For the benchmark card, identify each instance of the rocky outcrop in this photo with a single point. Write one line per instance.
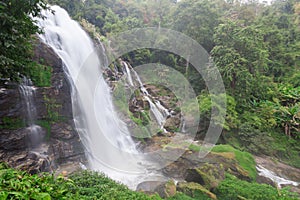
(59, 143)
(195, 190)
(164, 189)
(207, 175)
(208, 171)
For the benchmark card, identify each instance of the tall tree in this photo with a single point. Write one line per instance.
(16, 29)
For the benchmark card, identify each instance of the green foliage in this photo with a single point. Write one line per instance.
(16, 29)
(195, 190)
(244, 159)
(16, 184)
(198, 20)
(39, 74)
(285, 149)
(234, 189)
(93, 185)
(20, 185)
(206, 104)
(11, 123)
(180, 196)
(52, 109)
(194, 147)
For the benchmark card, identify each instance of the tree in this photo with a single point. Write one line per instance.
(198, 19)
(242, 58)
(16, 29)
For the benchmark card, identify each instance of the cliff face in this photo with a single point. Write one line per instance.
(58, 144)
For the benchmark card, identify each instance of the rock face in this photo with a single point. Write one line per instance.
(58, 142)
(208, 171)
(279, 169)
(195, 190)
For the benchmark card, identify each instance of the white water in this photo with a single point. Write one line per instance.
(128, 73)
(108, 143)
(275, 178)
(159, 112)
(27, 92)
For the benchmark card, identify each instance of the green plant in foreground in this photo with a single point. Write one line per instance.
(16, 184)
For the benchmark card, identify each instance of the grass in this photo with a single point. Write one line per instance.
(286, 149)
(194, 147)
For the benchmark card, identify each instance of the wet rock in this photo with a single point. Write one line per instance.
(10, 101)
(30, 161)
(62, 130)
(148, 185)
(54, 114)
(166, 189)
(13, 139)
(172, 124)
(265, 180)
(190, 161)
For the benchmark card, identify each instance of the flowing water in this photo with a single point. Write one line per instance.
(27, 92)
(109, 146)
(108, 143)
(274, 177)
(159, 112)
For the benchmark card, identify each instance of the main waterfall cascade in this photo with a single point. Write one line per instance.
(109, 146)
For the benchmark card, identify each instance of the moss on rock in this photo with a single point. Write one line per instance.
(195, 190)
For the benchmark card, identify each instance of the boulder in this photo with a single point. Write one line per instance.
(172, 124)
(207, 175)
(186, 166)
(166, 189)
(195, 190)
(13, 139)
(148, 186)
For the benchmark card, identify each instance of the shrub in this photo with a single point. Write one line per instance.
(233, 189)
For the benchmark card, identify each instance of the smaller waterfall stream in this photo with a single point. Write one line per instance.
(274, 177)
(159, 112)
(27, 91)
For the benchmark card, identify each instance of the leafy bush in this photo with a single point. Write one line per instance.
(233, 189)
(11, 123)
(16, 184)
(93, 185)
(39, 74)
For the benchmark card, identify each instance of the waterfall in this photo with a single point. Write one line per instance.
(109, 146)
(27, 92)
(159, 112)
(275, 178)
(128, 73)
